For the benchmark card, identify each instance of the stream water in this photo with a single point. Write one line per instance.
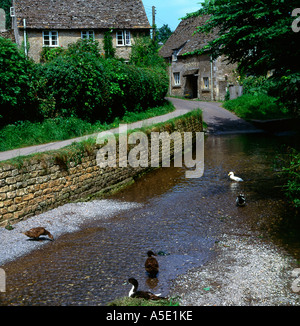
(180, 217)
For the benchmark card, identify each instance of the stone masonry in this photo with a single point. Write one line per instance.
(32, 185)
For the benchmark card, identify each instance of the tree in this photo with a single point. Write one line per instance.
(258, 36)
(145, 54)
(163, 33)
(17, 99)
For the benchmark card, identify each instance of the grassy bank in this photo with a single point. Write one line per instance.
(256, 106)
(25, 133)
(77, 150)
(125, 301)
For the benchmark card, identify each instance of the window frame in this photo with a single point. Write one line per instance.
(51, 35)
(177, 78)
(206, 85)
(124, 36)
(90, 35)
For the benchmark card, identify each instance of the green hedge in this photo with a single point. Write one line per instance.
(17, 99)
(258, 106)
(81, 83)
(74, 82)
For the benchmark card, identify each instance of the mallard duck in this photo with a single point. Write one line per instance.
(240, 200)
(151, 264)
(35, 233)
(134, 293)
(234, 178)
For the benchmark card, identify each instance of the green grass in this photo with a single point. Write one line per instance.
(77, 150)
(125, 301)
(25, 133)
(258, 106)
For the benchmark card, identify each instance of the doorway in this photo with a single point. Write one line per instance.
(191, 86)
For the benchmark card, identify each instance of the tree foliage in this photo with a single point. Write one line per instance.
(258, 36)
(81, 82)
(5, 5)
(75, 82)
(145, 54)
(163, 33)
(108, 45)
(17, 100)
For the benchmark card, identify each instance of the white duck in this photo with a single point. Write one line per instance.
(234, 178)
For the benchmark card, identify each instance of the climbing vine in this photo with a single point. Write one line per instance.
(108, 45)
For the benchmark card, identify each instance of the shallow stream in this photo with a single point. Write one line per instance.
(182, 218)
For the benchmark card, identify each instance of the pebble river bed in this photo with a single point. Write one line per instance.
(214, 252)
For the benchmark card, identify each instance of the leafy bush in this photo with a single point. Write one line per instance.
(49, 53)
(108, 45)
(75, 83)
(285, 89)
(290, 170)
(17, 98)
(81, 83)
(145, 54)
(259, 106)
(256, 85)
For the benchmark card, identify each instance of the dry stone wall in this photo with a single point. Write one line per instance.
(32, 185)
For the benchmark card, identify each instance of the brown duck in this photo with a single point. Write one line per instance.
(151, 264)
(35, 233)
(134, 293)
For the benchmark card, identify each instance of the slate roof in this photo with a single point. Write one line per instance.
(81, 14)
(184, 39)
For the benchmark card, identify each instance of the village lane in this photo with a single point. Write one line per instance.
(217, 118)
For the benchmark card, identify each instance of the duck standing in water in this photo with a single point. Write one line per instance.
(234, 178)
(134, 293)
(151, 264)
(35, 233)
(240, 200)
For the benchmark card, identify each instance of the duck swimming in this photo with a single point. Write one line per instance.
(35, 233)
(240, 200)
(234, 178)
(134, 293)
(151, 264)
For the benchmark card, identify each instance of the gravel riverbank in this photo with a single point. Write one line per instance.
(64, 219)
(246, 272)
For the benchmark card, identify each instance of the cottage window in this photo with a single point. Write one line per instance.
(50, 38)
(123, 38)
(88, 35)
(176, 78)
(205, 82)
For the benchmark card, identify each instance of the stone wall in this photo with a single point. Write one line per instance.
(194, 69)
(8, 35)
(32, 185)
(66, 37)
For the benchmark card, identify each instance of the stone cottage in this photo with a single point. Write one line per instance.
(57, 23)
(194, 75)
